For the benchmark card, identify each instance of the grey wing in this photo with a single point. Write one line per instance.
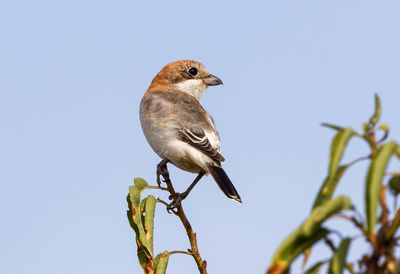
(198, 139)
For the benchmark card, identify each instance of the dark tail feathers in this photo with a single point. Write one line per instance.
(224, 183)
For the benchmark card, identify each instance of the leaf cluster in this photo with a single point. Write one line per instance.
(377, 225)
(141, 218)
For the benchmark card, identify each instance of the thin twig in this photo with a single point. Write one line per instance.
(180, 252)
(353, 220)
(156, 187)
(194, 251)
(162, 201)
(337, 232)
(330, 243)
(359, 160)
(358, 213)
(393, 226)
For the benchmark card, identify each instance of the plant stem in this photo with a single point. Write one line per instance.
(156, 187)
(194, 251)
(180, 252)
(385, 209)
(394, 226)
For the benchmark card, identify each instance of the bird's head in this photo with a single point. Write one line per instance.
(186, 75)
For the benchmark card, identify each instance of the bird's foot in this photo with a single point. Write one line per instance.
(162, 170)
(177, 200)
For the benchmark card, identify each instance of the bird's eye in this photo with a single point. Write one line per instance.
(192, 71)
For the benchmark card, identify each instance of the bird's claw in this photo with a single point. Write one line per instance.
(171, 210)
(173, 206)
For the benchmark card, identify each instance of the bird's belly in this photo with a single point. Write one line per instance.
(185, 157)
(168, 146)
(186, 165)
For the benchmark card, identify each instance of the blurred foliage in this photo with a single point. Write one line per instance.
(378, 225)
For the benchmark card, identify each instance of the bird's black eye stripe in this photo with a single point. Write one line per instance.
(193, 71)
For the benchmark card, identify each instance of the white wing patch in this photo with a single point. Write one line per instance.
(204, 142)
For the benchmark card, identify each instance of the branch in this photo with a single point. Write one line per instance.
(194, 251)
(359, 224)
(180, 252)
(394, 226)
(385, 210)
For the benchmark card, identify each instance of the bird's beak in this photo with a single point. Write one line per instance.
(212, 80)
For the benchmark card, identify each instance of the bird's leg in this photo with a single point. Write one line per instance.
(196, 180)
(162, 170)
(181, 196)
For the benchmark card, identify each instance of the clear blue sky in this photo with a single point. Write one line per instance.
(72, 74)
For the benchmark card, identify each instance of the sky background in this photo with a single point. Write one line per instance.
(72, 74)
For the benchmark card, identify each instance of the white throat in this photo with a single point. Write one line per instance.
(194, 87)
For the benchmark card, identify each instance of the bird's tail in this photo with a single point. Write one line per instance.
(224, 183)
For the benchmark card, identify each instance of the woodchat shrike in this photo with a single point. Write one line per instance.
(179, 129)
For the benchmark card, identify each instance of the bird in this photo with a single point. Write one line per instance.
(179, 129)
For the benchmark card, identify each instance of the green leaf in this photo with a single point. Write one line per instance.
(135, 216)
(329, 186)
(397, 152)
(385, 129)
(136, 190)
(141, 209)
(338, 262)
(394, 184)
(377, 113)
(161, 262)
(332, 126)
(338, 146)
(142, 256)
(315, 268)
(323, 212)
(335, 171)
(308, 233)
(374, 183)
(293, 246)
(149, 219)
